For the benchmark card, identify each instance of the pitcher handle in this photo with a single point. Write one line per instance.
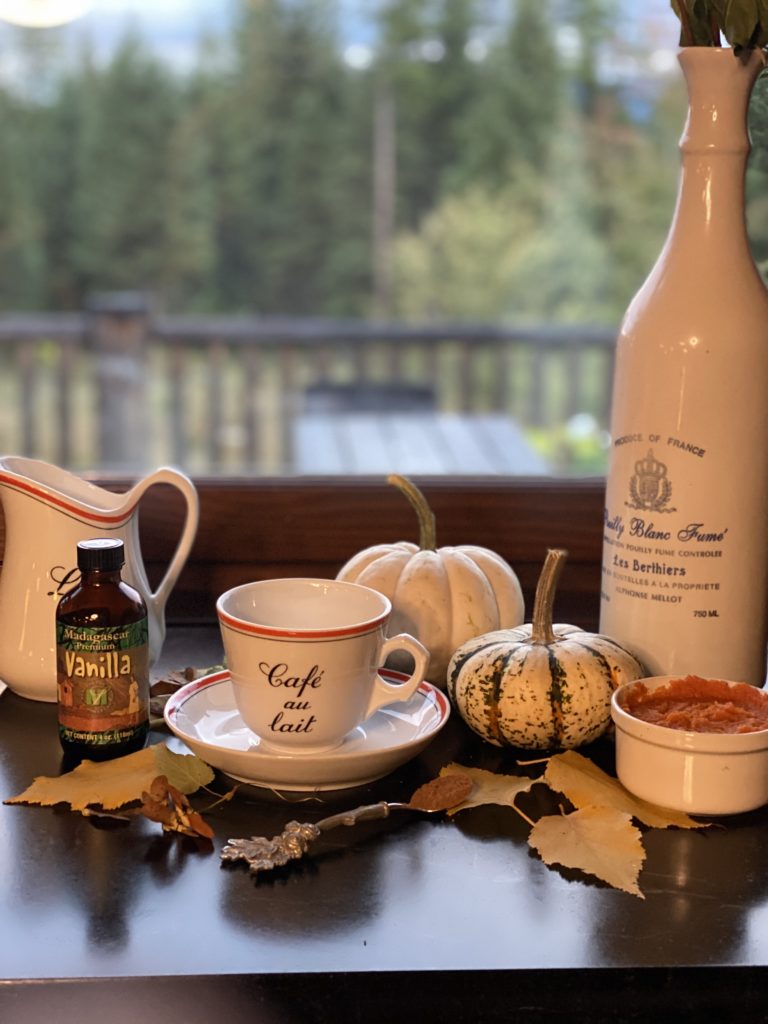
(181, 482)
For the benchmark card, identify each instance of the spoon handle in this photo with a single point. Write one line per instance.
(367, 812)
(263, 854)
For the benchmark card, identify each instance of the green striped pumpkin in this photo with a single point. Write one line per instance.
(539, 686)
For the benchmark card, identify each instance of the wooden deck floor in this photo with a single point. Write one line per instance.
(358, 443)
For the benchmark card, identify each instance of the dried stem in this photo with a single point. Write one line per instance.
(686, 32)
(427, 532)
(541, 623)
(221, 799)
(522, 814)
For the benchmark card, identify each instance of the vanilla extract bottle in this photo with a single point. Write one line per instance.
(685, 538)
(102, 658)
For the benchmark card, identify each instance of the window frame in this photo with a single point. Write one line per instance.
(309, 526)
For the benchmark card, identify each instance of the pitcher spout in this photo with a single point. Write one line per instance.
(62, 490)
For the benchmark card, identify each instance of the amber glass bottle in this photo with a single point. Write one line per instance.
(102, 658)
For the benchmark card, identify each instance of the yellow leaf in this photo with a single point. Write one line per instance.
(489, 788)
(586, 785)
(112, 784)
(184, 772)
(601, 841)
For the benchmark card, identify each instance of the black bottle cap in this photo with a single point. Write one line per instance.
(105, 553)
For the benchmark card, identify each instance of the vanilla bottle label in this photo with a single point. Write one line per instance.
(103, 682)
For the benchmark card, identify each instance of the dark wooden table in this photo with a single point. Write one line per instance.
(405, 919)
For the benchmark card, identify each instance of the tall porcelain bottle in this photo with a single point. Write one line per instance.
(685, 551)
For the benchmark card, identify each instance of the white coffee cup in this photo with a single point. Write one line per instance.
(304, 657)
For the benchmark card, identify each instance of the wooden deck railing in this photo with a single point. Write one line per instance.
(118, 388)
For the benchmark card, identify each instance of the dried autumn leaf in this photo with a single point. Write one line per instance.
(586, 785)
(188, 821)
(167, 805)
(442, 793)
(199, 826)
(157, 710)
(171, 682)
(158, 791)
(162, 689)
(176, 678)
(154, 803)
(598, 840)
(112, 784)
(185, 772)
(489, 787)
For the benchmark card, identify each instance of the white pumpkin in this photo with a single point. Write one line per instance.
(541, 686)
(442, 596)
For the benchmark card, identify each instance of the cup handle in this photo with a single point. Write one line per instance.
(387, 693)
(182, 483)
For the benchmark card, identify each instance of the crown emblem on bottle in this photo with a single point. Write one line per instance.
(649, 487)
(649, 467)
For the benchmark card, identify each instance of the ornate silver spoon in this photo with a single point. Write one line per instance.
(263, 854)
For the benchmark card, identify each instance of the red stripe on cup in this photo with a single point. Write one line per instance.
(331, 633)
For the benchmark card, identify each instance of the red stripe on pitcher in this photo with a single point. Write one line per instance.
(78, 510)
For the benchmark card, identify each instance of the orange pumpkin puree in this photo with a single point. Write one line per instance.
(700, 705)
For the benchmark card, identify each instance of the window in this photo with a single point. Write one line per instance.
(239, 235)
(247, 238)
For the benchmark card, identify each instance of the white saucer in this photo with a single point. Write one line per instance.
(204, 716)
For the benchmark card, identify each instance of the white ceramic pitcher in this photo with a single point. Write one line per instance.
(47, 511)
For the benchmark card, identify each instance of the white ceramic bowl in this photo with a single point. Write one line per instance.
(697, 772)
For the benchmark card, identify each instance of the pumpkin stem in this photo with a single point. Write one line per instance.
(427, 533)
(541, 623)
